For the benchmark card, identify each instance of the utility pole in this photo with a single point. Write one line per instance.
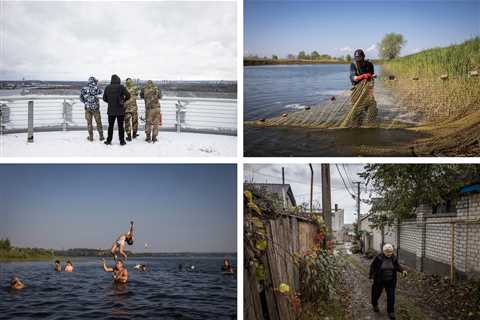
(326, 196)
(358, 206)
(311, 188)
(283, 187)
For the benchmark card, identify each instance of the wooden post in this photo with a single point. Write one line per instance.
(452, 253)
(30, 121)
(283, 187)
(311, 188)
(326, 197)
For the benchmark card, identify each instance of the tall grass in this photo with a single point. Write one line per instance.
(438, 100)
(455, 60)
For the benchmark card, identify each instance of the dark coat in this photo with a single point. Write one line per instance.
(366, 67)
(375, 272)
(115, 93)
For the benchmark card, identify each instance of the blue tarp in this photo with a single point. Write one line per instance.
(470, 188)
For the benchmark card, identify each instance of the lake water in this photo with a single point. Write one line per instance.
(272, 90)
(165, 292)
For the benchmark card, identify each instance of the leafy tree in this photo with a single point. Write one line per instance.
(5, 244)
(348, 57)
(315, 55)
(302, 55)
(390, 46)
(274, 57)
(404, 187)
(291, 56)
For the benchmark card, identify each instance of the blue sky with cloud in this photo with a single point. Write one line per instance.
(338, 28)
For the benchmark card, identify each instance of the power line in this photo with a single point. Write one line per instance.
(344, 184)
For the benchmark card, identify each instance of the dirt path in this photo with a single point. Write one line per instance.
(408, 305)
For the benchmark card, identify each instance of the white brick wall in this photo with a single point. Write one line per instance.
(438, 242)
(409, 236)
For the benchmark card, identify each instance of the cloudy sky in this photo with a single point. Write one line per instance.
(147, 40)
(298, 176)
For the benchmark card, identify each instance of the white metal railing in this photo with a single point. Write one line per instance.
(210, 115)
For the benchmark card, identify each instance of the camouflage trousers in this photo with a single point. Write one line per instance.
(89, 116)
(154, 120)
(131, 122)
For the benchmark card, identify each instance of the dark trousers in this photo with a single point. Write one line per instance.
(377, 289)
(121, 130)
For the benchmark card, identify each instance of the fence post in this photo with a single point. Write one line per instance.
(30, 121)
(422, 233)
(1, 120)
(64, 116)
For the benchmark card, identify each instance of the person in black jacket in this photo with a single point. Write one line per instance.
(115, 95)
(383, 271)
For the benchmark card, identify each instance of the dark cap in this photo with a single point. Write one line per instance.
(359, 54)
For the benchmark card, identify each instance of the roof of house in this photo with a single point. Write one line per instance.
(278, 189)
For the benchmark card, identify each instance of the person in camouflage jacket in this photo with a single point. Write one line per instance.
(131, 110)
(152, 95)
(89, 96)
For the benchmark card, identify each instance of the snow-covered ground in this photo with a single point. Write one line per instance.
(75, 144)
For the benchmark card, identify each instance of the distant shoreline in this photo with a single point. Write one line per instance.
(267, 62)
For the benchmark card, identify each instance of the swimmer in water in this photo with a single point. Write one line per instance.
(119, 244)
(227, 266)
(120, 273)
(141, 267)
(68, 266)
(58, 266)
(16, 283)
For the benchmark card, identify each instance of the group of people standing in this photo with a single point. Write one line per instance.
(122, 108)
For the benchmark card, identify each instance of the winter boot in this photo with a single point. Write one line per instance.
(129, 137)
(135, 134)
(154, 139)
(108, 143)
(148, 138)
(100, 133)
(122, 143)
(90, 136)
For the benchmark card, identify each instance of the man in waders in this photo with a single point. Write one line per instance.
(363, 101)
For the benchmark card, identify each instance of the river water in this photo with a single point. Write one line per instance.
(272, 90)
(165, 292)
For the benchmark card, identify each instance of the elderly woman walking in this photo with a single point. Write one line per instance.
(383, 271)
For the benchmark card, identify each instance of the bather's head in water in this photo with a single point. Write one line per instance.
(58, 266)
(16, 283)
(69, 266)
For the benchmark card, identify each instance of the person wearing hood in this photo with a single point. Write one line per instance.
(383, 271)
(115, 95)
(131, 110)
(89, 97)
(153, 116)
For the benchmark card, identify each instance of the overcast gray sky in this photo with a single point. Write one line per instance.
(298, 176)
(171, 40)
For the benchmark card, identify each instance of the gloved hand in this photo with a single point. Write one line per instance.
(367, 76)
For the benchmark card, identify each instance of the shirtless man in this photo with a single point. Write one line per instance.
(16, 283)
(120, 273)
(119, 244)
(68, 266)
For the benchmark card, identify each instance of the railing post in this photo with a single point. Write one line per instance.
(180, 115)
(64, 115)
(1, 119)
(30, 121)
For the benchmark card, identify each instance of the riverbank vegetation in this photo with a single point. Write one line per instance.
(8, 252)
(442, 84)
(301, 58)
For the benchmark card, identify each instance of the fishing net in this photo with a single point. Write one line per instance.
(445, 114)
